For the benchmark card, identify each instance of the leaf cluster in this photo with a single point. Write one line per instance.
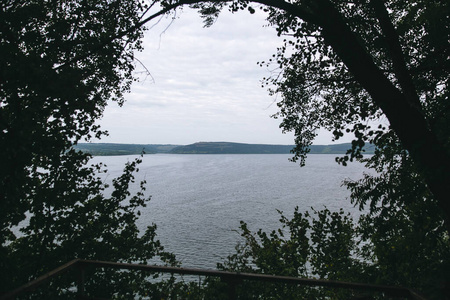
(318, 91)
(402, 230)
(72, 217)
(61, 62)
(59, 67)
(320, 245)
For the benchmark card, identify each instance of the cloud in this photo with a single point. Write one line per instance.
(205, 84)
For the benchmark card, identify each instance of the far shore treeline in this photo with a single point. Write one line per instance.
(104, 149)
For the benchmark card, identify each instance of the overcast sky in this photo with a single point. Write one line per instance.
(205, 85)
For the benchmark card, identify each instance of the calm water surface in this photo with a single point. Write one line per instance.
(199, 200)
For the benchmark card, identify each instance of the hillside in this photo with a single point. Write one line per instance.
(104, 149)
(240, 148)
(231, 148)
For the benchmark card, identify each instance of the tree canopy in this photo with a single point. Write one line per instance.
(57, 74)
(61, 62)
(347, 64)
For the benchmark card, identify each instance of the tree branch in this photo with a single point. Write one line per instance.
(396, 52)
(125, 32)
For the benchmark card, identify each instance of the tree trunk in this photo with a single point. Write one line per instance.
(405, 117)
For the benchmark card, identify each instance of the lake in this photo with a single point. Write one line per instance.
(199, 200)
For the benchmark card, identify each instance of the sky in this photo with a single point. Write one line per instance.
(204, 85)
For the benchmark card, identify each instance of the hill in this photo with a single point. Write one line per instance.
(240, 148)
(103, 149)
(231, 148)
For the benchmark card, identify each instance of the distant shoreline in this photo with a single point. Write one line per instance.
(110, 149)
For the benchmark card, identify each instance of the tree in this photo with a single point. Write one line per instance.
(385, 247)
(59, 67)
(55, 83)
(320, 244)
(402, 230)
(72, 217)
(352, 73)
(345, 64)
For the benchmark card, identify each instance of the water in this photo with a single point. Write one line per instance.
(199, 200)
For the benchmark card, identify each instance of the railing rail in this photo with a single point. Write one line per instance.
(232, 278)
(40, 280)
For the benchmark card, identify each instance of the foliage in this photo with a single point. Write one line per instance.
(319, 245)
(73, 218)
(330, 245)
(403, 230)
(320, 87)
(320, 90)
(60, 64)
(58, 70)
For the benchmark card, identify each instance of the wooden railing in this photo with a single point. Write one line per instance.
(231, 278)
